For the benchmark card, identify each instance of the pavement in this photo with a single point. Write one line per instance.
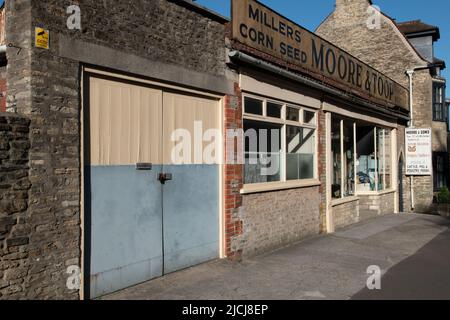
(412, 251)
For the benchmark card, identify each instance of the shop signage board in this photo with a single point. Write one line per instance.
(259, 27)
(418, 152)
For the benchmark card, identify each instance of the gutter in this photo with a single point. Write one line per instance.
(242, 57)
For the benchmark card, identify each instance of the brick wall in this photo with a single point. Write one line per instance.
(16, 250)
(387, 50)
(233, 178)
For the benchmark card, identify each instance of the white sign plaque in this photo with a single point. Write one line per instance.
(418, 152)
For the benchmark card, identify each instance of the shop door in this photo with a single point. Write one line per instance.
(146, 215)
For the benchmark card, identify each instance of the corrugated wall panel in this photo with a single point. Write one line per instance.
(181, 112)
(125, 123)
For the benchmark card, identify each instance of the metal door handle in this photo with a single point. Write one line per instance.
(163, 177)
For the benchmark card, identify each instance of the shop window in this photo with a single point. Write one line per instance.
(361, 167)
(387, 159)
(365, 159)
(439, 109)
(253, 106)
(343, 155)
(440, 167)
(309, 117)
(300, 150)
(279, 145)
(380, 165)
(274, 110)
(293, 114)
(348, 158)
(262, 152)
(336, 185)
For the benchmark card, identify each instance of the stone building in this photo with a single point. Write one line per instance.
(396, 49)
(423, 37)
(144, 137)
(66, 64)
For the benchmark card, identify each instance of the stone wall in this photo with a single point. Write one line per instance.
(275, 219)
(387, 50)
(45, 85)
(16, 271)
(387, 203)
(345, 214)
(378, 204)
(2, 89)
(439, 136)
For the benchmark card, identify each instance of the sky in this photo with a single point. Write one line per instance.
(309, 14)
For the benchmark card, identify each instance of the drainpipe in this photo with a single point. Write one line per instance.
(410, 74)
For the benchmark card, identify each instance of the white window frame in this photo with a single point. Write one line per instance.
(283, 183)
(355, 171)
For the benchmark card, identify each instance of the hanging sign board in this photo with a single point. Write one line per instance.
(260, 28)
(41, 37)
(418, 152)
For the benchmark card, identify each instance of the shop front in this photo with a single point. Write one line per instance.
(362, 166)
(320, 143)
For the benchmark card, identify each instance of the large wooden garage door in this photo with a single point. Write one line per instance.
(140, 225)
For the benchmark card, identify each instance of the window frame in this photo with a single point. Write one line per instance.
(376, 128)
(441, 105)
(283, 183)
(442, 155)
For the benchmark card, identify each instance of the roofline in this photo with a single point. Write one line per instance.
(433, 30)
(191, 5)
(419, 55)
(435, 33)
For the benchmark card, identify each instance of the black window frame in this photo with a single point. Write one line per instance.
(442, 105)
(444, 171)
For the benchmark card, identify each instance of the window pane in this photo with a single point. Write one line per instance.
(309, 117)
(274, 110)
(293, 114)
(440, 162)
(300, 147)
(365, 159)
(336, 157)
(349, 160)
(388, 158)
(253, 106)
(262, 152)
(380, 158)
(438, 102)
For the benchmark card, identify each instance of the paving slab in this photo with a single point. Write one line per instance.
(330, 266)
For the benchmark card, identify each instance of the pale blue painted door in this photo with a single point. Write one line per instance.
(141, 228)
(126, 227)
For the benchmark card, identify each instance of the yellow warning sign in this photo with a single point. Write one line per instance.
(42, 38)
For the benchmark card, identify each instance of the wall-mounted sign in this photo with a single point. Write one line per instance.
(41, 37)
(418, 152)
(259, 27)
